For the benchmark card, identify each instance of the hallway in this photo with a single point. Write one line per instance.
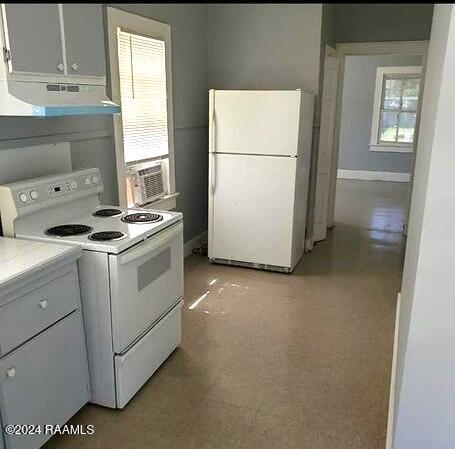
(275, 361)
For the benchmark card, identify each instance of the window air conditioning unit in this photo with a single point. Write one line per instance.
(148, 182)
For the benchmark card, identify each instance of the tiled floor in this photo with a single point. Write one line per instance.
(278, 361)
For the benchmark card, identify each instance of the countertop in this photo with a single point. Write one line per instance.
(21, 258)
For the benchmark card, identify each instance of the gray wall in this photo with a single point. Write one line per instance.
(264, 46)
(356, 115)
(386, 22)
(91, 137)
(425, 387)
(92, 133)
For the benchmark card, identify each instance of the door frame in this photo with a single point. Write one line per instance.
(358, 49)
(329, 52)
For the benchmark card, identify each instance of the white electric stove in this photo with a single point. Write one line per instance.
(96, 231)
(131, 273)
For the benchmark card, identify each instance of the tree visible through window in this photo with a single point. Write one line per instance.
(397, 119)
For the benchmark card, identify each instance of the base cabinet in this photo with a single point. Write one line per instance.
(44, 381)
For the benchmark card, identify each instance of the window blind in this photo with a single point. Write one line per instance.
(142, 67)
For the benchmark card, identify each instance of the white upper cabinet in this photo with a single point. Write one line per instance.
(33, 38)
(84, 39)
(65, 40)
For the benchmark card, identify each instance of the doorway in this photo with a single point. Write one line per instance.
(369, 132)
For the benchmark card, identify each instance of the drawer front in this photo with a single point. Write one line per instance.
(45, 381)
(23, 318)
(135, 367)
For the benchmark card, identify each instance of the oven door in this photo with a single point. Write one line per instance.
(146, 281)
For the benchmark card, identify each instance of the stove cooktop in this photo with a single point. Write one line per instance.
(104, 231)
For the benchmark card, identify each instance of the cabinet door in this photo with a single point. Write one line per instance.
(84, 39)
(34, 37)
(45, 381)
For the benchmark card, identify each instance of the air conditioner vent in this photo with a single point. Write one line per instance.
(148, 184)
(152, 184)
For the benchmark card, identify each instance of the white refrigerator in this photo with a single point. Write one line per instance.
(259, 168)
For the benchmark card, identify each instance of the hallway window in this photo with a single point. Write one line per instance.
(395, 108)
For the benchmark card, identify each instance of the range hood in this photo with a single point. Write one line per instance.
(44, 99)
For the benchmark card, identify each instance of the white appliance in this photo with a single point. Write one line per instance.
(148, 182)
(131, 274)
(260, 150)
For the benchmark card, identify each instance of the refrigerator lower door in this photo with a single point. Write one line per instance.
(251, 209)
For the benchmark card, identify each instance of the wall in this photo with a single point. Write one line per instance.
(425, 387)
(264, 46)
(91, 137)
(17, 132)
(328, 25)
(356, 115)
(386, 22)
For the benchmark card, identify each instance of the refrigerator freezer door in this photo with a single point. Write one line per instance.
(255, 122)
(251, 208)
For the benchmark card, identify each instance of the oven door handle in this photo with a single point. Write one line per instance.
(151, 244)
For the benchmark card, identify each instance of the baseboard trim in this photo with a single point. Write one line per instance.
(373, 175)
(393, 377)
(194, 243)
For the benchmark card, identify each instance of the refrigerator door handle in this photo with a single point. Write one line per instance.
(213, 173)
(213, 142)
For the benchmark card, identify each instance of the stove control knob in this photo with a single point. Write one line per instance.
(23, 197)
(34, 195)
(95, 179)
(74, 185)
(87, 181)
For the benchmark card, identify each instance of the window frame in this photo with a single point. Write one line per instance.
(133, 23)
(381, 72)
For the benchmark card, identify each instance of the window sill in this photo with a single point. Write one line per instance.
(167, 202)
(383, 148)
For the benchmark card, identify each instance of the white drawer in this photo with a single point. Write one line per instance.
(45, 381)
(25, 317)
(135, 367)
